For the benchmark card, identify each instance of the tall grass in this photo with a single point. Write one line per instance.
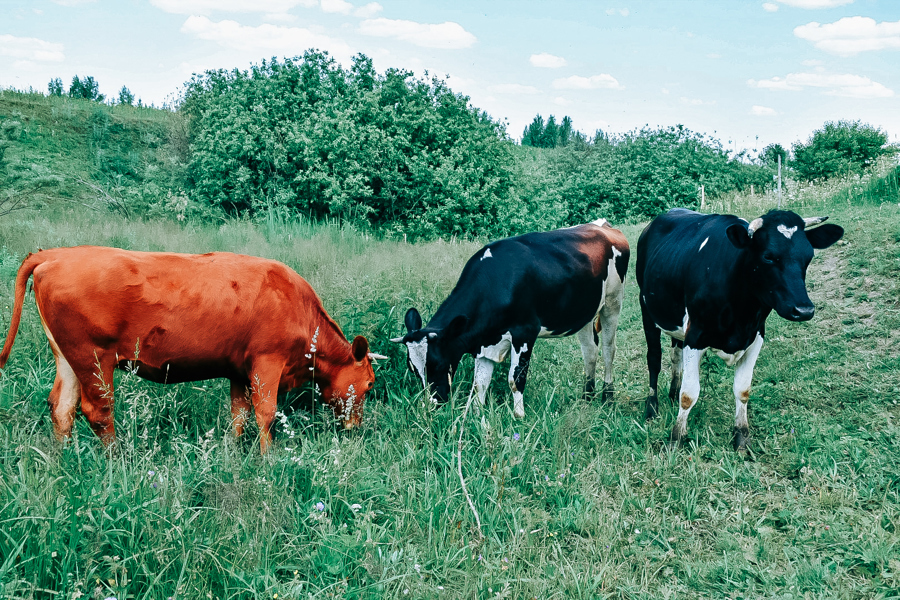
(579, 500)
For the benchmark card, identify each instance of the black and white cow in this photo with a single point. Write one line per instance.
(710, 281)
(518, 289)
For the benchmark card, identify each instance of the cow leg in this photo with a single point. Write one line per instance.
(675, 384)
(690, 391)
(97, 398)
(587, 336)
(484, 368)
(743, 375)
(609, 323)
(264, 384)
(654, 361)
(240, 406)
(64, 398)
(520, 359)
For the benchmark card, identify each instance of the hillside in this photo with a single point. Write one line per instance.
(59, 151)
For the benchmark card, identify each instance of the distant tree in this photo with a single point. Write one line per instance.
(87, 89)
(125, 96)
(839, 148)
(534, 132)
(769, 155)
(55, 87)
(566, 132)
(550, 137)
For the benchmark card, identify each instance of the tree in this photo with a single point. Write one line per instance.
(125, 96)
(55, 87)
(566, 132)
(87, 89)
(839, 148)
(550, 136)
(769, 156)
(534, 132)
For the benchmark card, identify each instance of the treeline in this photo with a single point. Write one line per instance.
(405, 155)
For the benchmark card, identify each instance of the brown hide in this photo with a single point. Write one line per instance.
(183, 317)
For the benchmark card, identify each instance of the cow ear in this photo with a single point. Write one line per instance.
(413, 320)
(824, 235)
(360, 348)
(456, 326)
(738, 236)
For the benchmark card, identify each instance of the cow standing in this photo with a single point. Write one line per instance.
(515, 290)
(710, 281)
(179, 317)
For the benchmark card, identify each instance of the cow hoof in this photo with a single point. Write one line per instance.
(651, 408)
(741, 440)
(607, 392)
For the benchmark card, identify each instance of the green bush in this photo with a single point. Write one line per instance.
(390, 150)
(839, 148)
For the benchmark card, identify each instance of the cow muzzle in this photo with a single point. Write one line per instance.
(802, 313)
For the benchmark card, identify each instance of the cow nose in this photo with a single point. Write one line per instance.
(802, 313)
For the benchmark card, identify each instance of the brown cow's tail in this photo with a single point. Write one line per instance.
(28, 266)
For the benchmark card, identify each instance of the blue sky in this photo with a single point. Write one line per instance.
(749, 72)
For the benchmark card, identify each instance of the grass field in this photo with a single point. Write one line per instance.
(579, 500)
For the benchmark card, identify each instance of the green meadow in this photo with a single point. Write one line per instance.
(580, 499)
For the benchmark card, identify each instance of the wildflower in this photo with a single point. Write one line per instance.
(151, 473)
(515, 437)
(154, 485)
(355, 507)
(320, 506)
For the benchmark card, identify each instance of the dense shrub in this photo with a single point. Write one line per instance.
(839, 148)
(398, 152)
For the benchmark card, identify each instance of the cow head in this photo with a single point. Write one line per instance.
(779, 247)
(345, 391)
(433, 354)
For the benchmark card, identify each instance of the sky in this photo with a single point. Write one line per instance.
(747, 72)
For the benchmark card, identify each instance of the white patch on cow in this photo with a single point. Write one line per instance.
(690, 388)
(487, 254)
(730, 359)
(518, 398)
(786, 232)
(418, 353)
(679, 333)
(484, 368)
(703, 244)
(743, 376)
(69, 391)
(589, 350)
(498, 351)
(546, 333)
(600, 222)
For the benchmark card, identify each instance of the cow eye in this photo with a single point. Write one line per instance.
(769, 258)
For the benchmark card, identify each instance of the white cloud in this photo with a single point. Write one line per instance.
(812, 63)
(73, 2)
(770, 7)
(280, 18)
(290, 41)
(206, 7)
(513, 88)
(847, 85)
(560, 101)
(447, 35)
(697, 101)
(547, 61)
(621, 11)
(815, 4)
(337, 6)
(576, 82)
(368, 11)
(851, 35)
(30, 49)
(713, 55)
(762, 111)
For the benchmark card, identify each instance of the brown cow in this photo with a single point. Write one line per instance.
(186, 317)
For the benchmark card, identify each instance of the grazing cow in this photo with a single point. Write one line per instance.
(185, 317)
(710, 281)
(518, 289)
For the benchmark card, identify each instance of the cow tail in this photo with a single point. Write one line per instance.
(28, 266)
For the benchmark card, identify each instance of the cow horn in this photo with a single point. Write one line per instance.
(754, 225)
(398, 340)
(813, 221)
(373, 356)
